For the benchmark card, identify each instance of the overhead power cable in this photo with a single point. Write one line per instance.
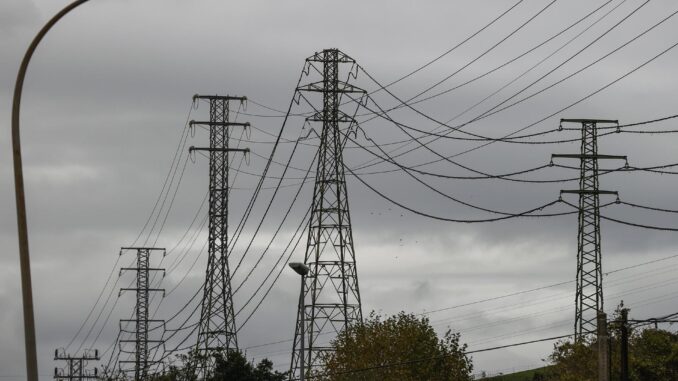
(487, 51)
(534, 66)
(504, 296)
(648, 207)
(278, 229)
(496, 109)
(385, 157)
(645, 122)
(637, 225)
(391, 160)
(457, 128)
(248, 210)
(649, 227)
(440, 218)
(429, 358)
(346, 136)
(411, 101)
(268, 208)
(486, 114)
(411, 73)
(173, 168)
(406, 103)
(540, 62)
(590, 95)
(98, 299)
(299, 233)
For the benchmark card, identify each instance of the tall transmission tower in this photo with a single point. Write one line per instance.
(330, 299)
(75, 368)
(141, 321)
(589, 293)
(217, 328)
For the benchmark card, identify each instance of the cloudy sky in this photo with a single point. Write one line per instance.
(109, 91)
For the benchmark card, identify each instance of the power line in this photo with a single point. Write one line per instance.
(440, 218)
(418, 69)
(534, 48)
(456, 128)
(430, 358)
(504, 296)
(637, 225)
(648, 207)
(524, 73)
(495, 109)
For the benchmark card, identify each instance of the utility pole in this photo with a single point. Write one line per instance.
(75, 368)
(603, 348)
(330, 299)
(589, 294)
(624, 344)
(141, 320)
(217, 328)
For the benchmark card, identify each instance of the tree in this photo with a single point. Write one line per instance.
(574, 361)
(401, 347)
(653, 355)
(228, 366)
(234, 366)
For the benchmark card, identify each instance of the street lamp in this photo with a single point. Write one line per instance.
(302, 270)
(22, 225)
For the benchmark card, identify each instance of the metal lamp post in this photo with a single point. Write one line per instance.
(22, 226)
(302, 270)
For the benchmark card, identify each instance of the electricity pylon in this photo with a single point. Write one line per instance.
(330, 299)
(589, 293)
(75, 368)
(217, 328)
(141, 320)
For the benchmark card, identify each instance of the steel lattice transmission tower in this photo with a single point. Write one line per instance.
(589, 293)
(330, 299)
(75, 369)
(217, 328)
(141, 321)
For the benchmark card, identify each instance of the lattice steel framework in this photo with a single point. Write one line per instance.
(331, 298)
(141, 320)
(75, 368)
(589, 289)
(217, 328)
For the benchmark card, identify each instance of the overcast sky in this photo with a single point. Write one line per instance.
(109, 91)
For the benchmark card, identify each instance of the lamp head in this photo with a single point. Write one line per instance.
(299, 268)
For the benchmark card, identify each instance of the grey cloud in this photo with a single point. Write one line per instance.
(103, 112)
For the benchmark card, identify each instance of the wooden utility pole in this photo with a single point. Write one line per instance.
(625, 344)
(603, 348)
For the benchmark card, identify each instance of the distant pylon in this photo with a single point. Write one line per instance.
(75, 368)
(330, 299)
(141, 321)
(589, 291)
(217, 328)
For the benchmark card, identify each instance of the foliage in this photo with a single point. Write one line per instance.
(653, 355)
(574, 361)
(231, 365)
(234, 366)
(401, 347)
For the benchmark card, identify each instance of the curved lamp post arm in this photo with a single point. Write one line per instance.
(22, 226)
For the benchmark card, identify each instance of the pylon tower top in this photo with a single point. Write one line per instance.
(589, 289)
